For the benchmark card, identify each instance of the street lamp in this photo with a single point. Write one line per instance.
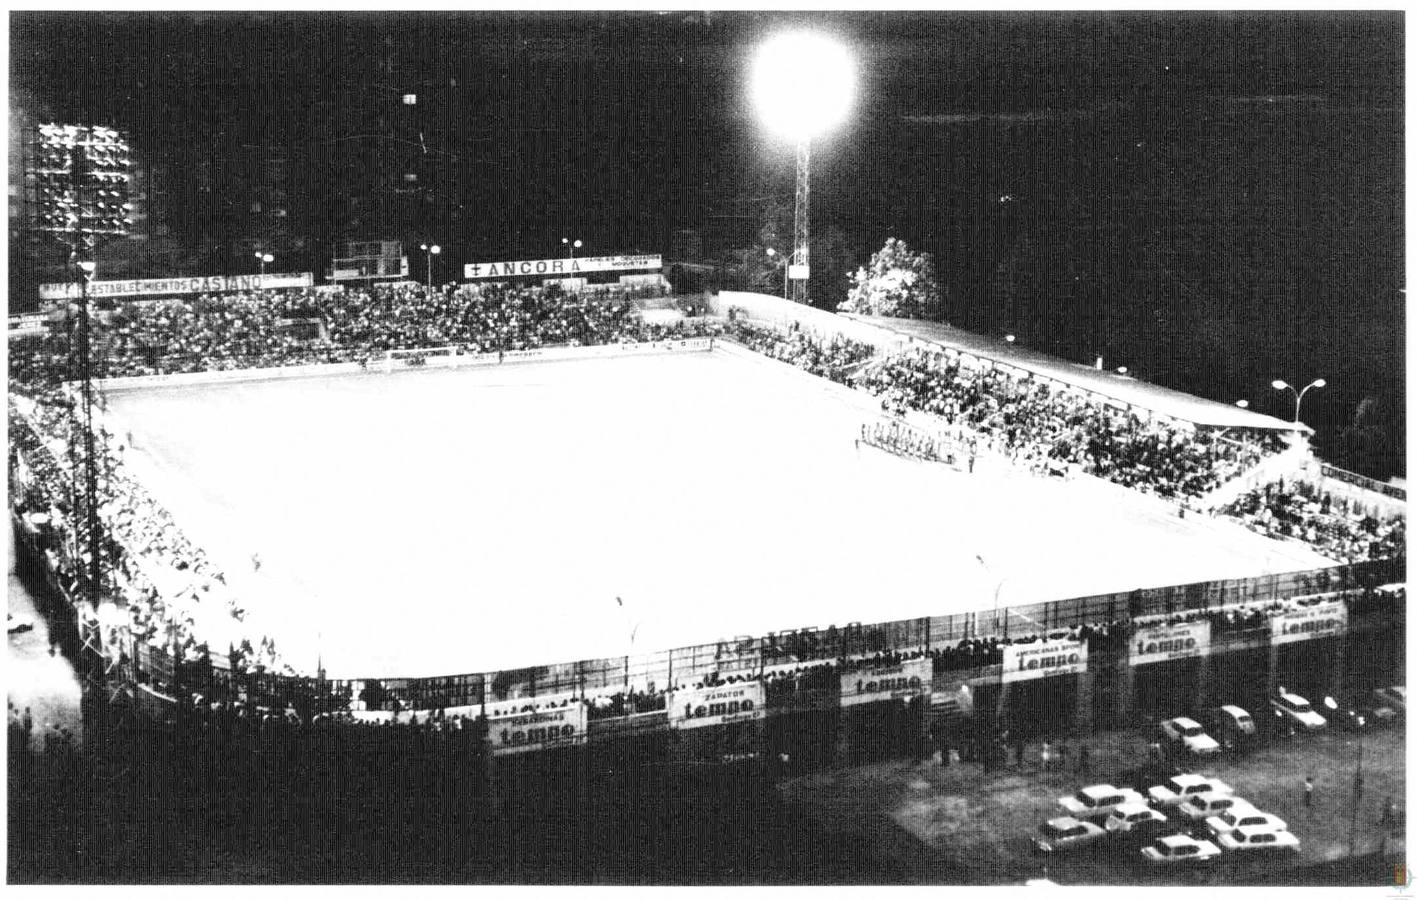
(772, 254)
(802, 84)
(1243, 404)
(572, 246)
(1281, 385)
(1357, 774)
(264, 258)
(433, 250)
(1008, 338)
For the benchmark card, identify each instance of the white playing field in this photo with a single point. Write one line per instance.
(435, 522)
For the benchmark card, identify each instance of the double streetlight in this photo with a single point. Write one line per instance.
(432, 250)
(571, 246)
(264, 258)
(1281, 385)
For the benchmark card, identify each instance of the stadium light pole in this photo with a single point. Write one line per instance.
(803, 84)
(772, 253)
(1281, 385)
(432, 251)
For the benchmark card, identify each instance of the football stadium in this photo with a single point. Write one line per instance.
(365, 575)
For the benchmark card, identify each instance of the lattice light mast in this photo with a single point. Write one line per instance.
(803, 85)
(81, 197)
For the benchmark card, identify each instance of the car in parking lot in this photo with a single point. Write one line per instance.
(1128, 815)
(1395, 698)
(1178, 788)
(1098, 801)
(1251, 837)
(1187, 735)
(1178, 848)
(1352, 715)
(1243, 817)
(1296, 711)
(1202, 806)
(1231, 725)
(1067, 833)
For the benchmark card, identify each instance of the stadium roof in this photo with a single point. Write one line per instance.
(1128, 390)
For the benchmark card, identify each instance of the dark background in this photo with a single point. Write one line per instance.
(1213, 200)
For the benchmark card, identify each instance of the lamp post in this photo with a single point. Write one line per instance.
(771, 254)
(432, 250)
(1281, 385)
(1357, 774)
(1243, 404)
(264, 258)
(802, 84)
(571, 246)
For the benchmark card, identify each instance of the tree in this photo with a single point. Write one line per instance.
(897, 282)
(1365, 445)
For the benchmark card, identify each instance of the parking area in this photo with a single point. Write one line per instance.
(985, 822)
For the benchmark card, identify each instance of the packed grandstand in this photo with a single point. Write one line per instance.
(170, 587)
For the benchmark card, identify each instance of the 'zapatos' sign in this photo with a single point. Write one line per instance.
(1300, 623)
(902, 682)
(1161, 642)
(721, 705)
(1043, 658)
(537, 730)
(519, 267)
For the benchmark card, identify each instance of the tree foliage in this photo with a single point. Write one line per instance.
(897, 282)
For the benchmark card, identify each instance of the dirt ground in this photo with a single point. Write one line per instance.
(962, 819)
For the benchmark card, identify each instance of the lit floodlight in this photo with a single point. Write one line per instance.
(802, 83)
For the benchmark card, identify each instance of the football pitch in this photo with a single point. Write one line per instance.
(445, 521)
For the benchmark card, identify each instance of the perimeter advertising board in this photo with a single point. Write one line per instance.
(541, 730)
(719, 705)
(1300, 623)
(532, 267)
(210, 284)
(1042, 659)
(1160, 642)
(902, 682)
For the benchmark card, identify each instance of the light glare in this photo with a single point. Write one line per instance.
(802, 83)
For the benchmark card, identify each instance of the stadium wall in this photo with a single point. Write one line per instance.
(877, 707)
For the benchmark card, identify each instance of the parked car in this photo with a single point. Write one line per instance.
(1351, 716)
(18, 624)
(1067, 833)
(1202, 806)
(1186, 734)
(1251, 837)
(1098, 801)
(1394, 697)
(1241, 817)
(1178, 788)
(1127, 815)
(1230, 724)
(1179, 848)
(1297, 712)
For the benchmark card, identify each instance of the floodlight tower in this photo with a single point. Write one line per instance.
(802, 84)
(81, 198)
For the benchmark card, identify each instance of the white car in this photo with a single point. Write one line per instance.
(1179, 788)
(1179, 848)
(17, 624)
(1297, 711)
(1250, 837)
(1129, 815)
(1098, 801)
(1202, 806)
(1066, 833)
(1188, 734)
(1243, 817)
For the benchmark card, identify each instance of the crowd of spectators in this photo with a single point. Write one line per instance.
(1031, 421)
(1300, 511)
(278, 328)
(831, 357)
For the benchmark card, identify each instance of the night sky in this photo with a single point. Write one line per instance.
(1214, 200)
